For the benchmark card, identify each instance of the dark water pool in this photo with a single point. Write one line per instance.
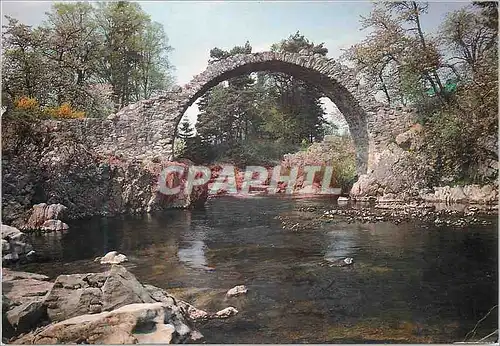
(409, 282)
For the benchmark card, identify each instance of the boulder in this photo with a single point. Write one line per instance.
(192, 313)
(22, 300)
(113, 257)
(159, 295)
(84, 304)
(227, 312)
(27, 316)
(13, 233)
(54, 225)
(21, 290)
(130, 324)
(42, 212)
(236, 291)
(78, 294)
(14, 245)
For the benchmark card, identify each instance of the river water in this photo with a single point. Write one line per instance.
(410, 282)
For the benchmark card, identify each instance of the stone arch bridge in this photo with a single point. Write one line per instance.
(147, 128)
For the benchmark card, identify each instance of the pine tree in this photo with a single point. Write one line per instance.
(185, 130)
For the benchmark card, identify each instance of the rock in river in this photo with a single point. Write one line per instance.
(14, 245)
(236, 291)
(227, 312)
(43, 212)
(112, 257)
(54, 225)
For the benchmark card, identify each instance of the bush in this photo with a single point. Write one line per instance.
(64, 111)
(337, 152)
(28, 108)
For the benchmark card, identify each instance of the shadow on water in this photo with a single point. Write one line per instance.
(408, 283)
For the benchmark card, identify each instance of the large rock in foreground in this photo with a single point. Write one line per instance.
(22, 301)
(130, 324)
(110, 307)
(78, 294)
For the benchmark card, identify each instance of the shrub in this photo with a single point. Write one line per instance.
(27, 104)
(65, 111)
(25, 108)
(338, 152)
(28, 108)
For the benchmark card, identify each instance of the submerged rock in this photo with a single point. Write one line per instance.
(226, 313)
(342, 262)
(236, 291)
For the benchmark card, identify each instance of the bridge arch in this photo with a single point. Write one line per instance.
(336, 81)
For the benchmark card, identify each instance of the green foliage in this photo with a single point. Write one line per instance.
(450, 77)
(185, 130)
(337, 152)
(98, 58)
(241, 117)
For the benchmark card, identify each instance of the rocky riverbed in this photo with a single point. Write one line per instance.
(438, 214)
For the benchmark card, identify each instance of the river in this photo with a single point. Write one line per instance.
(410, 282)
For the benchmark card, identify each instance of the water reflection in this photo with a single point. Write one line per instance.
(341, 245)
(192, 247)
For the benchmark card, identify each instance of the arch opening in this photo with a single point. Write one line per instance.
(322, 73)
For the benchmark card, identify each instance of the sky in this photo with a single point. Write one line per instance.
(195, 27)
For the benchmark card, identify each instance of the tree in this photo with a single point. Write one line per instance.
(134, 57)
(296, 98)
(80, 52)
(398, 57)
(468, 35)
(185, 130)
(409, 66)
(24, 72)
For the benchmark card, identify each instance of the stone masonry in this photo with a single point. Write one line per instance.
(147, 128)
